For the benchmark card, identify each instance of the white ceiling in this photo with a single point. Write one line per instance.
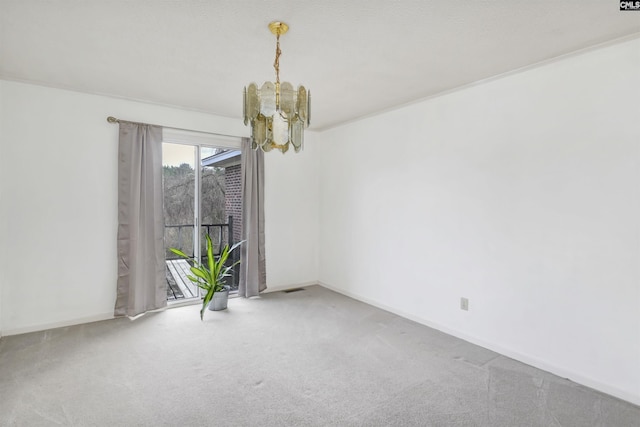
(357, 57)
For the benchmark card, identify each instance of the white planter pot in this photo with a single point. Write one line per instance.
(219, 300)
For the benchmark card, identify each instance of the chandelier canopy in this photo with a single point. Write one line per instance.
(277, 112)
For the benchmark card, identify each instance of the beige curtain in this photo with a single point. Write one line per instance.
(253, 274)
(141, 268)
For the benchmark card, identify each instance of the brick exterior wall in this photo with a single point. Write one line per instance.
(233, 199)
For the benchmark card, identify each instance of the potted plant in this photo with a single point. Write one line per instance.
(210, 276)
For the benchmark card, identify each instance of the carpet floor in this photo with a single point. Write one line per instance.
(307, 358)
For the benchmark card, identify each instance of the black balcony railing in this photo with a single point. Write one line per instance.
(181, 236)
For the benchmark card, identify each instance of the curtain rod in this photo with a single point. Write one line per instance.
(112, 119)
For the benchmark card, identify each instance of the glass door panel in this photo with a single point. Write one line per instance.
(180, 188)
(215, 207)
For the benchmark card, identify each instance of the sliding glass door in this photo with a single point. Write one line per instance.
(201, 185)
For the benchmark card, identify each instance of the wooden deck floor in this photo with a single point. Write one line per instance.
(178, 285)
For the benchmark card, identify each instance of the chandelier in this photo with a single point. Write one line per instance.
(278, 114)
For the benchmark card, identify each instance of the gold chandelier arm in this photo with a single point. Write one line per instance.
(281, 147)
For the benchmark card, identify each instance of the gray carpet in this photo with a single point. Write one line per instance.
(312, 357)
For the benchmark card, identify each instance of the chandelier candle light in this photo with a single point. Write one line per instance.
(278, 114)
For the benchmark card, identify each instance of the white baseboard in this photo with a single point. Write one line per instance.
(53, 325)
(280, 288)
(498, 348)
(107, 316)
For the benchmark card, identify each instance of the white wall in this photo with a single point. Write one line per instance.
(58, 182)
(291, 216)
(2, 220)
(521, 194)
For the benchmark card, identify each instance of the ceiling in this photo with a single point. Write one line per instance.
(357, 57)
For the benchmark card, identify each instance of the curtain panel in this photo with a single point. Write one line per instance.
(253, 274)
(141, 268)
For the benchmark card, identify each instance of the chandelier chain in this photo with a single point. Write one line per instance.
(276, 63)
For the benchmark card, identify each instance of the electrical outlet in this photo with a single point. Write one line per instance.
(464, 304)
